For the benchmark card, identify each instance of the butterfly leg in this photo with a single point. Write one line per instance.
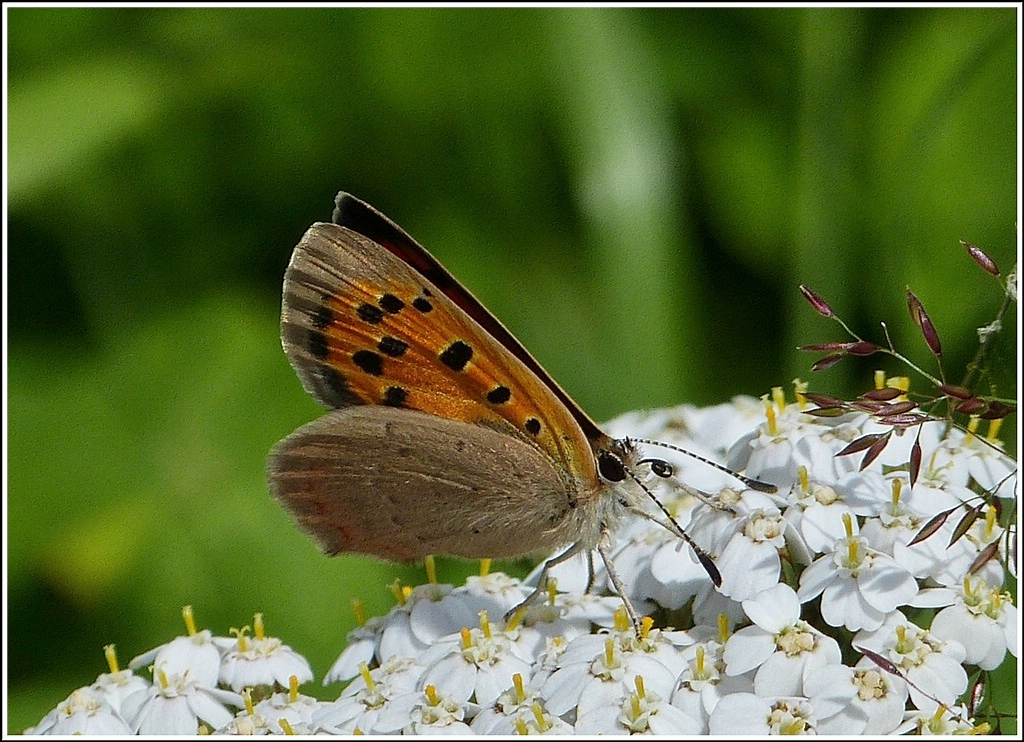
(542, 578)
(603, 549)
(590, 571)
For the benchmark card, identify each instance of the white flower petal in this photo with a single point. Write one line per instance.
(746, 649)
(773, 609)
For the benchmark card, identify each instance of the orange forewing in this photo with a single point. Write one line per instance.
(360, 217)
(361, 326)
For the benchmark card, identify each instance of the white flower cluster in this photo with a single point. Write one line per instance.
(817, 628)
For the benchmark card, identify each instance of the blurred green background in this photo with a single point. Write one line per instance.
(636, 193)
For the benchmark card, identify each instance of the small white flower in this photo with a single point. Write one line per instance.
(876, 708)
(474, 663)
(769, 453)
(940, 721)
(431, 712)
(703, 682)
(780, 646)
(599, 669)
(282, 713)
(423, 614)
(86, 712)
(983, 619)
(116, 686)
(289, 705)
(195, 656)
(175, 704)
(816, 510)
(749, 561)
(858, 586)
(249, 661)
(640, 712)
(363, 703)
(932, 667)
(360, 648)
(748, 714)
(832, 691)
(494, 592)
(518, 710)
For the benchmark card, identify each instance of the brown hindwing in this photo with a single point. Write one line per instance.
(363, 480)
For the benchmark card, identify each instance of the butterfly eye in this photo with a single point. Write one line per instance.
(610, 466)
(660, 467)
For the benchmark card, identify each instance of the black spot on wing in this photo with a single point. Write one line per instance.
(370, 313)
(395, 396)
(393, 347)
(456, 355)
(369, 362)
(499, 395)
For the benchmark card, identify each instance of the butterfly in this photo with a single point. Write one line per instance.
(444, 435)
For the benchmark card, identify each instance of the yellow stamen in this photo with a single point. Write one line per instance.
(357, 608)
(364, 671)
(621, 619)
(769, 413)
(293, 688)
(257, 625)
(552, 585)
(972, 427)
(799, 387)
(517, 683)
(879, 379)
(467, 638)
(723, 628)
(431, 692)
(897, 488)
(485, 567)
(902, 646)
(609, 652)
(645, 626)
(485, 624)
(638, 681)
(993, 430)
(111, 654)
(970, 594)
(515, 619)
(853, 552)
(396, 590)
(243, 642)
(635, 705)
(247, 697)
(990, 520)
(983, 728)
(162, 677)
(357, 732)
(698, 671)
(805, 478)
(521, 728)
(406, 594)
(848, 525)
(899, 382)
(286, 726)
(538, 714)
(778, 396)
(428, 562)
(190, 620)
